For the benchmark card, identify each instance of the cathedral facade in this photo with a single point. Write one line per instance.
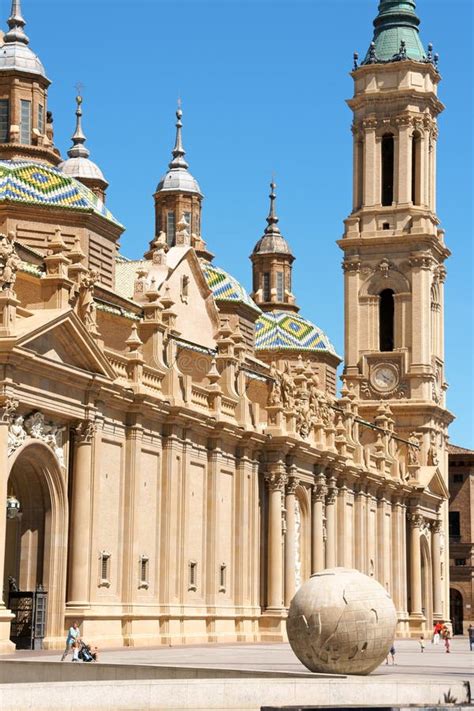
(192, 432)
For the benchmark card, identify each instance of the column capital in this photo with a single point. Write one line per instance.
(436, 526)
(319, 493)
(276, 480)
(415, 519)
(331, 495)
(84, 432)
(292, 485)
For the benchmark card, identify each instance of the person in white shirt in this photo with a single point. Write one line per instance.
(73, 636)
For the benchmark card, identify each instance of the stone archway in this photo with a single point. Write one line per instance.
(36, 541)
(456, 613)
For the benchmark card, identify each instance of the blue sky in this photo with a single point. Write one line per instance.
(263, 84)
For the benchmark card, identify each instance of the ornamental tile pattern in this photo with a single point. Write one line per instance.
(280, 330)
(224, 287)
(39, 184)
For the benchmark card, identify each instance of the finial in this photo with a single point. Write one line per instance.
(78, 149)
(429, 56)
(272, 219)
(372, 59)
(178, 150)
(16, 24)
(356, 61)
(436, 60)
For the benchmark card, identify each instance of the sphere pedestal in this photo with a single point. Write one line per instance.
(341, 621)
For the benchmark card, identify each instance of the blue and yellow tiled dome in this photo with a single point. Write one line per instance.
(225, 288)
(39, 184)
(281, 330)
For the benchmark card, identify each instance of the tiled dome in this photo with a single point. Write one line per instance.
(38, 184)
(280, 330)
(224, 287)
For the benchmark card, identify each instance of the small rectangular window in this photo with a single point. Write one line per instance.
(454, 524)
(4, 120)
(279, 285)
(192, 571)
(41, 119)
(143, 572)
(170, 228)
(25, 122)
(222, 577)
(266, 286)
(104, 569)
(459, 561)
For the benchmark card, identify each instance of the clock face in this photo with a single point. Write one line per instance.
(384, 377)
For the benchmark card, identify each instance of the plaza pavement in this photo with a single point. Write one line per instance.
(434, 662)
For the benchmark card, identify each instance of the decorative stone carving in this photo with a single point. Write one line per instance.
(384, 267)
(9, 261)
(84, 432)
(416, 520)
(433, 457)
(275, 397)
(276, 481)
(8, 409)
(35, 427)
(298, 563)
(84, 297)
(413, 449)
(341, 621)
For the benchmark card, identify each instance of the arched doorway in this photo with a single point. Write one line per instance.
(36, 539)
(426, 582)
(456, 610)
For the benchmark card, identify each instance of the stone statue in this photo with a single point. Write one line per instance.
(16, 434)
(85, 304)
(413, 450)
(341, 622)
(274, 397)
(433, 457)
(287, 388)
(9, 261)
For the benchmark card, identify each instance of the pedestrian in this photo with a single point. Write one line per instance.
(436, 633)
(422, 644)
(73, 636)
(446, 636)
(470, 632)
(391, 654)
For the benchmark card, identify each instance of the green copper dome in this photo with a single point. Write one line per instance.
(396, 23)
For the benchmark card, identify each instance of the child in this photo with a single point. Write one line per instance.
(422, 644)
(75, 651)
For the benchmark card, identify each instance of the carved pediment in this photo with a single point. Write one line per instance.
(62, 338)
(432, 481)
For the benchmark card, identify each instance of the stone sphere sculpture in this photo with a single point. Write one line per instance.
(341, 621)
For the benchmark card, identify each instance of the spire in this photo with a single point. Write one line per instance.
(396, 27)
(272, 219)
(16, 24)
(78, 149)
(178, 150)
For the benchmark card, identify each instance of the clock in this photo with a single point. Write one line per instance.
(384, 377)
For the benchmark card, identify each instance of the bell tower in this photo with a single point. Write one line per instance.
(394, 249)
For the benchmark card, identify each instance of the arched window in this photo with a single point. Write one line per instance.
(416, 169)
(387, 169)
(386, 320)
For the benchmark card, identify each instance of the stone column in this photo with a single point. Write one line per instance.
(359, 529)
(81, 514)
(397, 554)
(290, 540)
(6, 414)
(317, 526)
(404, 160)
(331, 524)
(415, 521)
(436, 568)
(370, 193)
(276, 481)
